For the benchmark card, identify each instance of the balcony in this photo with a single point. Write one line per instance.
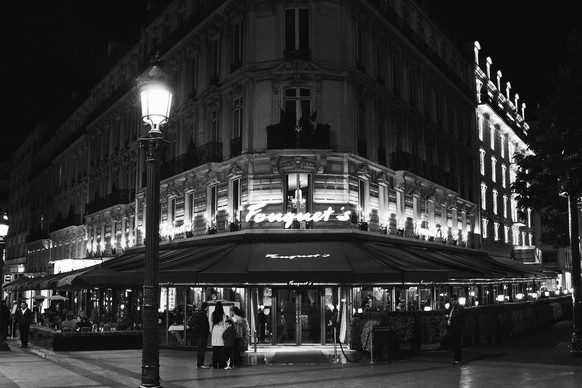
(71, 220)
(177, 165)
(118, 197)
(406, 161)
(209, 153)
(284, 136)
(235, 147)
(304, 55)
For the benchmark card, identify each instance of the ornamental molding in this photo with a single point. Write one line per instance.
(235, 170)
(364, 171)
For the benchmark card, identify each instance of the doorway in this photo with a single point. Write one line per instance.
(298, 316)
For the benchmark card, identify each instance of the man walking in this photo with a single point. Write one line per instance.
(456, 324)
(201, 331)
(24, 318)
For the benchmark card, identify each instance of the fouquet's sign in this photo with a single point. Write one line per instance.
(293, 283)
(293, 257)
(255, 214)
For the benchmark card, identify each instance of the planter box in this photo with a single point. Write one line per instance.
(112, 340)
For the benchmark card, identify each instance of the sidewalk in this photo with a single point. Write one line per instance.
(537, 361)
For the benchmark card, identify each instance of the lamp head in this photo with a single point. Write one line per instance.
(4, 225)
(155, 96)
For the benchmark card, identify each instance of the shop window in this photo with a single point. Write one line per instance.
(212, 208)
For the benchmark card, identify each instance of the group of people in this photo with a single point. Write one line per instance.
(227, 336)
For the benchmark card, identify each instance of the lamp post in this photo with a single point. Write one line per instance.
(3, 233)
(156, 101)
(571, 186)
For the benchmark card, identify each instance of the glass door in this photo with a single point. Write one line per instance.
(298, 316)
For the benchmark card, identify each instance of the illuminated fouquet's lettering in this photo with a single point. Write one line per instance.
(292, 257)
(255, 214)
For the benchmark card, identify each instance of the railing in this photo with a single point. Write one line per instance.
(115, 198)
(71, 220)
(209, 152)
(406, 161)
(177, 165)
(284, 136)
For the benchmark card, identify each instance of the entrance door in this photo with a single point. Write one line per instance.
(298, 316)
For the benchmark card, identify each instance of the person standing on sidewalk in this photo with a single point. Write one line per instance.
(229, 337)
(24, 318)
(201, 329)
(5, 318)
(455, 325)
(218, 318)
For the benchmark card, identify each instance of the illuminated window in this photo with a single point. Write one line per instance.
(297, 193)
(506, 234)
(482, 161)
(492, 137)
(172, 210)
(493, 169)
(362, 197)
(496, 231)
(483, 196)
(503, 175)
(511, 150)
(514, 209)
(480, 124)
(494, 201)
(502, 144)
(235, 198)
(190, 206)
(512, 176)
(505, 206)
(212, 204)
(484, 231)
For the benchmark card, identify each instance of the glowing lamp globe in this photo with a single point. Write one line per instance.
(156, 97)
(3, 225)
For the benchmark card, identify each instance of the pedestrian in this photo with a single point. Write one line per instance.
(217, 341)
(262, 325)
(24, 318)
(201, 329)
(238, 320)
(455, 325)
(5, 318)
(229, 337)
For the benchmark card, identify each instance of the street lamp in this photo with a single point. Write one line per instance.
(156, 102)
(571, 187)
(3, 233)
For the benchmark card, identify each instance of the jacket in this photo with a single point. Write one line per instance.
(24, 318)
(229, 336)
(456, 318)
(203, 326)
(217, 331)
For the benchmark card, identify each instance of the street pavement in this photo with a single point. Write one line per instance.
(540, 360)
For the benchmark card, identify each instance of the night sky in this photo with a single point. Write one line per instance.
(56, 49)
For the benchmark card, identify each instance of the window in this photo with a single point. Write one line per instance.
(395, 65)
(506, 234)
(482, 161)
(505, 206)
(237, 118)
(411, 87)
(190, 206)
(483, 196)
(297, 30)
(502, 144)
(297, 192)
(237, 46)
(496, 231)
(212, 205)
(503, 175)
(235, 197)
(495, 201)
(297, 104)
(215, 57)
(172, 211)
(511, 150)
(493, 169)
(492, 137)
(359, 47)
(215, 126)
(484, 231)
(379, 63)
(193, 75)
(480, 124)
(514, 209)
(511, 176)
(363, 199)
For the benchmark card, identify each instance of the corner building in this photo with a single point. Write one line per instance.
(318, 153)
